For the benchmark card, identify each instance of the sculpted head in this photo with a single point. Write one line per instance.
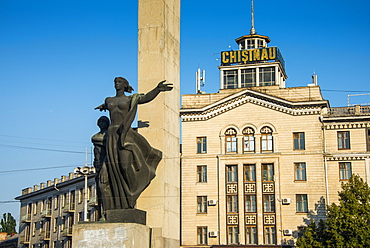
(103, 122)
(122, 83)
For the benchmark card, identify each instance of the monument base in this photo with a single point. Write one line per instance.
(126, 216)
(109, 235)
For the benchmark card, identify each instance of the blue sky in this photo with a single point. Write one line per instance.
(58, 60)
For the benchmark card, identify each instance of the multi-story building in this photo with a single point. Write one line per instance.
(48, 211)
(260, 159)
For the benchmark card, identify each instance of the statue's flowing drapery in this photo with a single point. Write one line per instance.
(130, 163)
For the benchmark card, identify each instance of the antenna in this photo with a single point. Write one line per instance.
(253, 31)
(200, 80)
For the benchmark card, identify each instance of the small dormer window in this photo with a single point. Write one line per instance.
(260, 43)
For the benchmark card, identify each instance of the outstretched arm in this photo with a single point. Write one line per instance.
(162, 86)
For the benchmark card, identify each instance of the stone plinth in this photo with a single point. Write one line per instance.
(109, 235)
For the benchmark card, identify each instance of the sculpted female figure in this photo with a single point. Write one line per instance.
(130, 162)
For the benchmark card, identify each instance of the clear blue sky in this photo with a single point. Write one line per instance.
(58, 60)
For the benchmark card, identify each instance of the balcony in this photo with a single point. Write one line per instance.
(45, 235)
(46, 213)
(26, 218)
(67, 232)
(357, 110)
(69, 208)
(24, 239)
(93, 201)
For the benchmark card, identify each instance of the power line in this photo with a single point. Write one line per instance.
(347, 90)
(34, 169)
(19, 137)
(42, 149)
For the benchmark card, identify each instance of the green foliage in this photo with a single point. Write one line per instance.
(7, 224)
(347, 224)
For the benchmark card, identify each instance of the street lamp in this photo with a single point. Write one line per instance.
(85, 171)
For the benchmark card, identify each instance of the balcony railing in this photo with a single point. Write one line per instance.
(46, 213)
(67, 231)
(26, 218)
(69, 208)
(24, 239)
(349, 111)
(93, 201)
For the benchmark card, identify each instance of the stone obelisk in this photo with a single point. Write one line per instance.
(159, 59)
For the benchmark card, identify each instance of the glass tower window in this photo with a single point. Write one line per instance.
(230, 79)
(267, 76)
(248, 77)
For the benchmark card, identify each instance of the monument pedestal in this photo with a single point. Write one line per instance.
(110, 235)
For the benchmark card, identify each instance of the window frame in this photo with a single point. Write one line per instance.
(201, 145)
(231, 173)
(301, 203)
(202, 235)
(344, 140)
(267, 139)
(249, 141)
(202, 204)
(299, 141)
(230, 78)
(269, 236)
(267, 76)
(248, 77)
(345, 171)
(249, 172)
(231, 140)
(202, 173)
(232, 235)
(300, 171)
(250, 203)
(249, 234)
(232, 204)
(268, 173)
(268, 203)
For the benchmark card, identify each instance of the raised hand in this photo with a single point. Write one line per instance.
(162, 86)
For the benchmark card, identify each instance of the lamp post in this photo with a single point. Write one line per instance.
(85, 171)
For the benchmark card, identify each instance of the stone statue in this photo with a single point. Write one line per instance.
(130, 162)
(99, 140)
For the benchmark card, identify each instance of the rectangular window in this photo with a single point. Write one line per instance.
(56, 202)
(202, 173)
(201, 144)
(34, 228)
(266, 142)
(267, 76)
(232, 173)
(250, 204)
(202, 234)
(202, 204)
(268, 203)
(299, 141)
(35, 208)
(268, 172)
(249, 143)
(251, 237)
(270, 235)
(233, 234)
(343, 140)
(230, 79)
(231, 143)
(232, 203)
(345, 170)
(72, 200)
(250, 172)
(250, 44)
(80, 195)
(300, 171)
(368, 138)
(302, 204)
(248, 77)
(55, 225)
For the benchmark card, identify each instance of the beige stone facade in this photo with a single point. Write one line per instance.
(258, 162)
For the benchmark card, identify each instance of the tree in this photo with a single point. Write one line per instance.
(7, 224)
(347, 224)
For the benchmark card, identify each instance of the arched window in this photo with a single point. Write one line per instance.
(231, 141)
(248, 139)
(266, 139)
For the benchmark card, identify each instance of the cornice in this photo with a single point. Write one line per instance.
(348, 157)
(347, 125)
(257, 98)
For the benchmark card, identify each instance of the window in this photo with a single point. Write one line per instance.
(80, 195)
(266, 139)
(232, 203)
(300, 171)
(251, 237)
(248, 78)
(231, 141)
(270, 235)
(34, 228)
(201, 144)
(250, 44)
(267, 76)
(202, 234)
(35, 208)
(268, 172)
(268, 203)
(368, 139)
(202, 204)
(343, 140)
(202, 173)
(72, 200)
(250, 172)
(260, 43)
(233, 234)
(232, 173)
(345, 170)
(248, 139)
(250, 203)
(55, 225)
(230, 79)
(56, 202)
(299, 143)
(301, 203)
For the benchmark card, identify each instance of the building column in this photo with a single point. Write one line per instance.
(159, 59)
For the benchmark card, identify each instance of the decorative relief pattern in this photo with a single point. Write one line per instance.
(232, 220)
(269, 219)
(268, 188)
(250, 219)
(250, 188)
(348, 158)
(347, 125)
(247, 97)
(232, 188)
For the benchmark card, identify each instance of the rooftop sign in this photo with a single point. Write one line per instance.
(252, 56)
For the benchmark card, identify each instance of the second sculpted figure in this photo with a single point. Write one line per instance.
(130, 162)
